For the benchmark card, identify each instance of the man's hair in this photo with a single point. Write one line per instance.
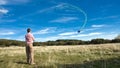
(28, 30)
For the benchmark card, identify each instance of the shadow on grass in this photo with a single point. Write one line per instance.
(109, 63)
(21, 62)
(102, 63)
(1, 60)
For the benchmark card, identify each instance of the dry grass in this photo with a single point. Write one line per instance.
(63, 56)
(73, 49)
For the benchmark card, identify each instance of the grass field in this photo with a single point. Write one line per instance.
(85, 56)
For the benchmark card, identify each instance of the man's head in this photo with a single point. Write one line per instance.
(28, 30)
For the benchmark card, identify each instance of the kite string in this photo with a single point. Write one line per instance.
(80, 10)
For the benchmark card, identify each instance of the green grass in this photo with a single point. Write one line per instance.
(91, 56)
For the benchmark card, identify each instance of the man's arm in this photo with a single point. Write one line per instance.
(33, 38)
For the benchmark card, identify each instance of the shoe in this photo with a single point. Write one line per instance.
(32, 63)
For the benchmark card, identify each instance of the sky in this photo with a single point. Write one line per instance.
(51, 20)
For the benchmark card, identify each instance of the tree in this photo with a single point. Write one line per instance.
(97, 41)
(118, 37)
(115, 41)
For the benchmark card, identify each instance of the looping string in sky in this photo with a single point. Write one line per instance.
(81, 11)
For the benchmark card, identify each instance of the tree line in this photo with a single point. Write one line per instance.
(5, 42)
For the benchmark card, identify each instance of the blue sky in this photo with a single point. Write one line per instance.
(57, 19)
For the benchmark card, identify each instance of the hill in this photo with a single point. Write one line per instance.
(5, 42)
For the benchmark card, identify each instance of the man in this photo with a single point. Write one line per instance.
(29, 47)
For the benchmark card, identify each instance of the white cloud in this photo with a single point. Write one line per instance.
(41, 11)
(98, 26)
(68, 33)
(77, 36)
(85, 35)
(90, 29)
(3, 11)
(111, 35)
(49, 9)
(6, 2)
(3, 2)
(59, 6)
(107, 17)
(2, 21)
(7, 33)
(17, 2)
(44, 31)
(94, 33)
(21, 38)
(51, 38)
(64, 19)
(69, 36)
